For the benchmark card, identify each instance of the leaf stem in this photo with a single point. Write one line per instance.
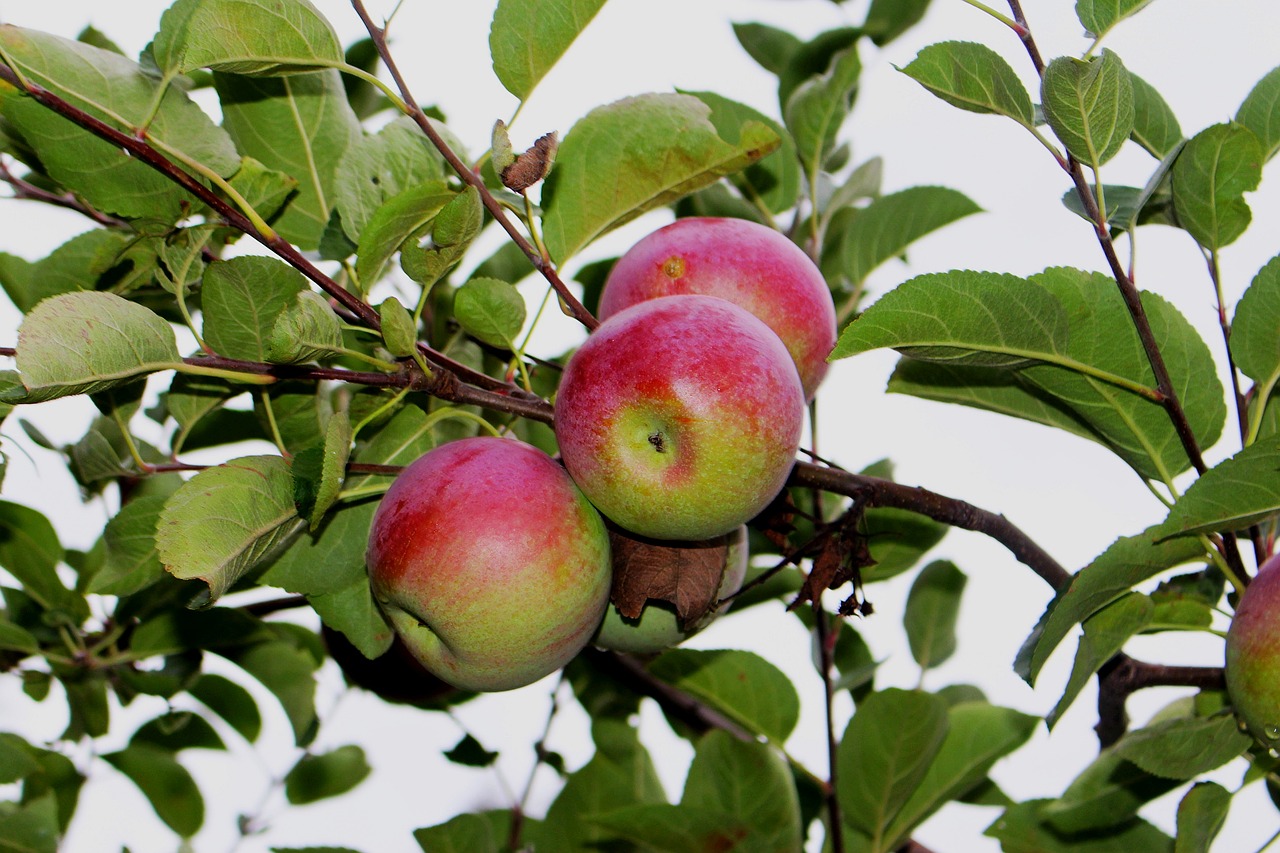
(1004, 19)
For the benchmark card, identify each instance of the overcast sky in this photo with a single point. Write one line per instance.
(1070, 495)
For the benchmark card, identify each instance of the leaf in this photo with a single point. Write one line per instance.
(816, 109)
(972, 77)
(1108, 793)
(16, 639)
(888, 19)
(1021, 829)
(287, 669)
(379, 168)
(131, 562)
(490, 310)
(30, 552)
(318, 472)
(353, 611)
(1184, 747)
(30, 826)
(1089, 105)
(1210, 177)
(226, 520)
(884, 753)
(82, 343)
(774, 181)
(398, 330)
(394, 222)
(452, 231)
(1155, 127)
(633, 155)
(120, 93)
(885, 228)
(1232, 495)
(165, 783)
(687, 575)
(242, 299)
(1105, 633)
(75, 265)
(471, 753)
(1126, 562)
(962, 317)
(978, 735)
(300, 125)
(933, 605)
(231, 702)
(190, 398)
(1201, 814)
(307, 330)
(464, 833)
(743, 685)
(1099, 16)
(318, 776)
(528, 37)
(178, 730)
(897, 540)
(1260, 112)
(1255, 346)
(260, 37)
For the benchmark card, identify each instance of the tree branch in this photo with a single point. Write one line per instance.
(1122, 676)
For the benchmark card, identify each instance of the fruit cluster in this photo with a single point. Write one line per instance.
(678, 420)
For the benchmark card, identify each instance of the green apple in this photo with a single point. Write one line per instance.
(489, 563)
(658, 627)
(680, 417)
(745, 262)
(1253, 654)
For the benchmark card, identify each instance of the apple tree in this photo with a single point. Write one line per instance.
(292, 271)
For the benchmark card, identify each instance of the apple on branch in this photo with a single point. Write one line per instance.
(1253, 654)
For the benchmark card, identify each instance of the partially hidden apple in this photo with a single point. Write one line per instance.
(1253, 654)
(490, 564)
(680, 417)
(658, 627)
(745, 262)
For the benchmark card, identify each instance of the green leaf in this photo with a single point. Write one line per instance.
(742, 684)
(287, 669)
(1255, 346)
(767, 45)
(465, 833)
(490, 310)
(300, 125)
(1215, 169)
(318, 472)
(398, 330)
(633, 155)
(885, 228)
(884, 753)
(774, 181)
(1232, 495)
(115, 342)
(307, 330)
(978, 735)
(131, 563)
(231, 702)
(1105, 633)
(888, 19)
(1021, 829)
(1099, 16)
(747, 780)
(397, 220)
(176, 731)
(455, 226)
(242, 299)
(260, 37)
(119, 92)
(318, 776)
(962, 317)
(1106, 794)
(191, 398)
(933, 605)
(1184, 747)
(817, 108)
(77, 264)
(1089, 105)
(972, 77)
(165, 783)
(30, 552)
(298, 411)
(1260, 112)
(226, 520)
(897, 539)
(471, 753)
(353, 611)
(31, 826)
(17, 639)
(1126, 562)
(1155, 127)
(528, 37)
(379, 168)
(1201, 814)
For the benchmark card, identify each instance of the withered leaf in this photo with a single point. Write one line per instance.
(531, 166)
(685, 574)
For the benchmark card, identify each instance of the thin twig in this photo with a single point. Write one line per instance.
(826, 636)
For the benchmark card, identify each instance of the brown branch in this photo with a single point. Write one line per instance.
(1122, 676)
(469, 175)
(23, 189)
(826, 634)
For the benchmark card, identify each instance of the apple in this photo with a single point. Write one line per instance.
(680, 417)
(745, 262)
(489, 563)
(657, 627)
(1253, 654)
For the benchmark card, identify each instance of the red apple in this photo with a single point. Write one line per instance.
(657, 627)
(1253, 654)
(747, 263)
(490, 564)
(680, 417)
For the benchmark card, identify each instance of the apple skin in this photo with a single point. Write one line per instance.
(745, 262)
(490, 564)
(657, 628)
(680, 417)
(1253, 654)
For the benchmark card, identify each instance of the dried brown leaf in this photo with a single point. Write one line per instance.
(531, 166)
(685, 574)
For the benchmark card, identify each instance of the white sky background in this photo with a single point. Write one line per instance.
(1070, 495)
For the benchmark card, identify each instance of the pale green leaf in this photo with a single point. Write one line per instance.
(528, 37)
(1155, 127)
(243, 298)
(380, 167)
(400, 218)
(816, 109)
(1215, 169)
(774, 181)
(1260, 112)
(1099, 16)
(453, 229)
(490, 310)
(933, 605)
(1105, 633)
(972, 77)
(1089, 105)
(1255, 344)
(743, 685)
(131, 562)
(262, 37)
(398, 331)
(1232, 495)
(1201, 814)
(307, 330)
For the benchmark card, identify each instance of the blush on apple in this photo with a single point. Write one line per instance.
(680, 417)
(1253, 654)
(489, 563)
(745, 262)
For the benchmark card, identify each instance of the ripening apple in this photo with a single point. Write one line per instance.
(680, 417)
(1253, 654)
(745, 262)
(657, 628)
(490, 564)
